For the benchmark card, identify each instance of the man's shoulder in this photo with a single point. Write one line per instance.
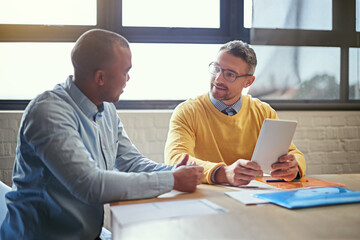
(192, 107)
(253, 102)
(194, 103)
(49, 101)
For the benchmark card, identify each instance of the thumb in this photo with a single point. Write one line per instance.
(183, 161)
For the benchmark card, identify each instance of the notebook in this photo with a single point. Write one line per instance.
(304, 182)
(311, 197)
(274, 141)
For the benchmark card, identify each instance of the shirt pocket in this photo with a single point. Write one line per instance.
(110, 152)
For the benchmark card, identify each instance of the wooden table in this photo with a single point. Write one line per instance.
(252, 222)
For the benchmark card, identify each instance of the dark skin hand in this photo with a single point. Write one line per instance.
(187, 175)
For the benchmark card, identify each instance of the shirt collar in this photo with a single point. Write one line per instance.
(84, 103)
(222, 106)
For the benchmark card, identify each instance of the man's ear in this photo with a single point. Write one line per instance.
(249, 81)
(99, 76)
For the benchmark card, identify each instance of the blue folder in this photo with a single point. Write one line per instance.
(312, 197)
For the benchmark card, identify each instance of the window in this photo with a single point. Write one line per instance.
(289, 14)
(308, 51)
(181, 69)
(165, 13)
(354, 73)
(312, 41)
(357, 15)
(33, 68)
(302, 73)
(60, 12)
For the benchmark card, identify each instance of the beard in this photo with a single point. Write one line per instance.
(222, 93)
(219, 91)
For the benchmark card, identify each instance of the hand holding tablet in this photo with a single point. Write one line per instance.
(274, 141)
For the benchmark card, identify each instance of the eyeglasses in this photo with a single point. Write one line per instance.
(229, 75)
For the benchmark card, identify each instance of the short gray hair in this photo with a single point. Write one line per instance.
(242, 50)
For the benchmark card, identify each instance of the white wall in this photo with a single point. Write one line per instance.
(330, 140)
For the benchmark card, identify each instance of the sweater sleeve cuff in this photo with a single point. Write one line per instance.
(211, 175)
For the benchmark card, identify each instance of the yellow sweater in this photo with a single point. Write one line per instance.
(212, 138)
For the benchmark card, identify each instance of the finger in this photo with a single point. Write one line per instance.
(286, 157)
(283, 173)
(238, 177)
(289, 177)
(183, 161)
(284, 165)
(248, 171)
(192, 163)
(244, 177)
(199, 181)
(241, 183)
(196, 168)
(249, 164)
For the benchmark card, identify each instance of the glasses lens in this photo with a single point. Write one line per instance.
(214, 69)
(229, 76)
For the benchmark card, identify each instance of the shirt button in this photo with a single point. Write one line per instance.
(103, 146)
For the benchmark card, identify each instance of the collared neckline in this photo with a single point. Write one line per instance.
(219, 105)
(83, 102)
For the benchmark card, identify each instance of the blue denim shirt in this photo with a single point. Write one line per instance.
(72, 158)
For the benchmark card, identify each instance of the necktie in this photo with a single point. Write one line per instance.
(229, 111)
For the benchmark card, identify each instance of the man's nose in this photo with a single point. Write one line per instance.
(219, 77)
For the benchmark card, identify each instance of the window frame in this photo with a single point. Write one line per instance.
(109, 16)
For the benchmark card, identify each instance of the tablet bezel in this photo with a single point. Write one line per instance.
(273, 141)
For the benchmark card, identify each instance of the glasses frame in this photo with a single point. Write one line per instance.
(226, 70)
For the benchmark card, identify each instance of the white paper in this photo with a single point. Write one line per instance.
(256, 185)
(244, 194)
(132, 213)
(172, 193)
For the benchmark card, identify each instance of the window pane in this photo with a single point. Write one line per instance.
(297, 73)
(31, 68)
(160, 71)
(179, 71)
(288, 14)
(358, 15)
(169, 71)
(176, 13)
(354, 73)
(60, 12)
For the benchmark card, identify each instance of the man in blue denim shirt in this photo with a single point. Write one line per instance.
(73, 154)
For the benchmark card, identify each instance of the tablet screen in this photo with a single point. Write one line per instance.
(274, 141)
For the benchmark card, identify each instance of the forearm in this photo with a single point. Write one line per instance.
(126, 186)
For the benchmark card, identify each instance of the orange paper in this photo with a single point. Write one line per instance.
(301, 183)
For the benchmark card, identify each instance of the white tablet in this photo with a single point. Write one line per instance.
(274, 141)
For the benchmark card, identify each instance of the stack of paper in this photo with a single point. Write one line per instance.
(306, 192)
(132, 213)
(245, 194)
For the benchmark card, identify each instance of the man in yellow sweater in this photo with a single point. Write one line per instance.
(219, 129)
